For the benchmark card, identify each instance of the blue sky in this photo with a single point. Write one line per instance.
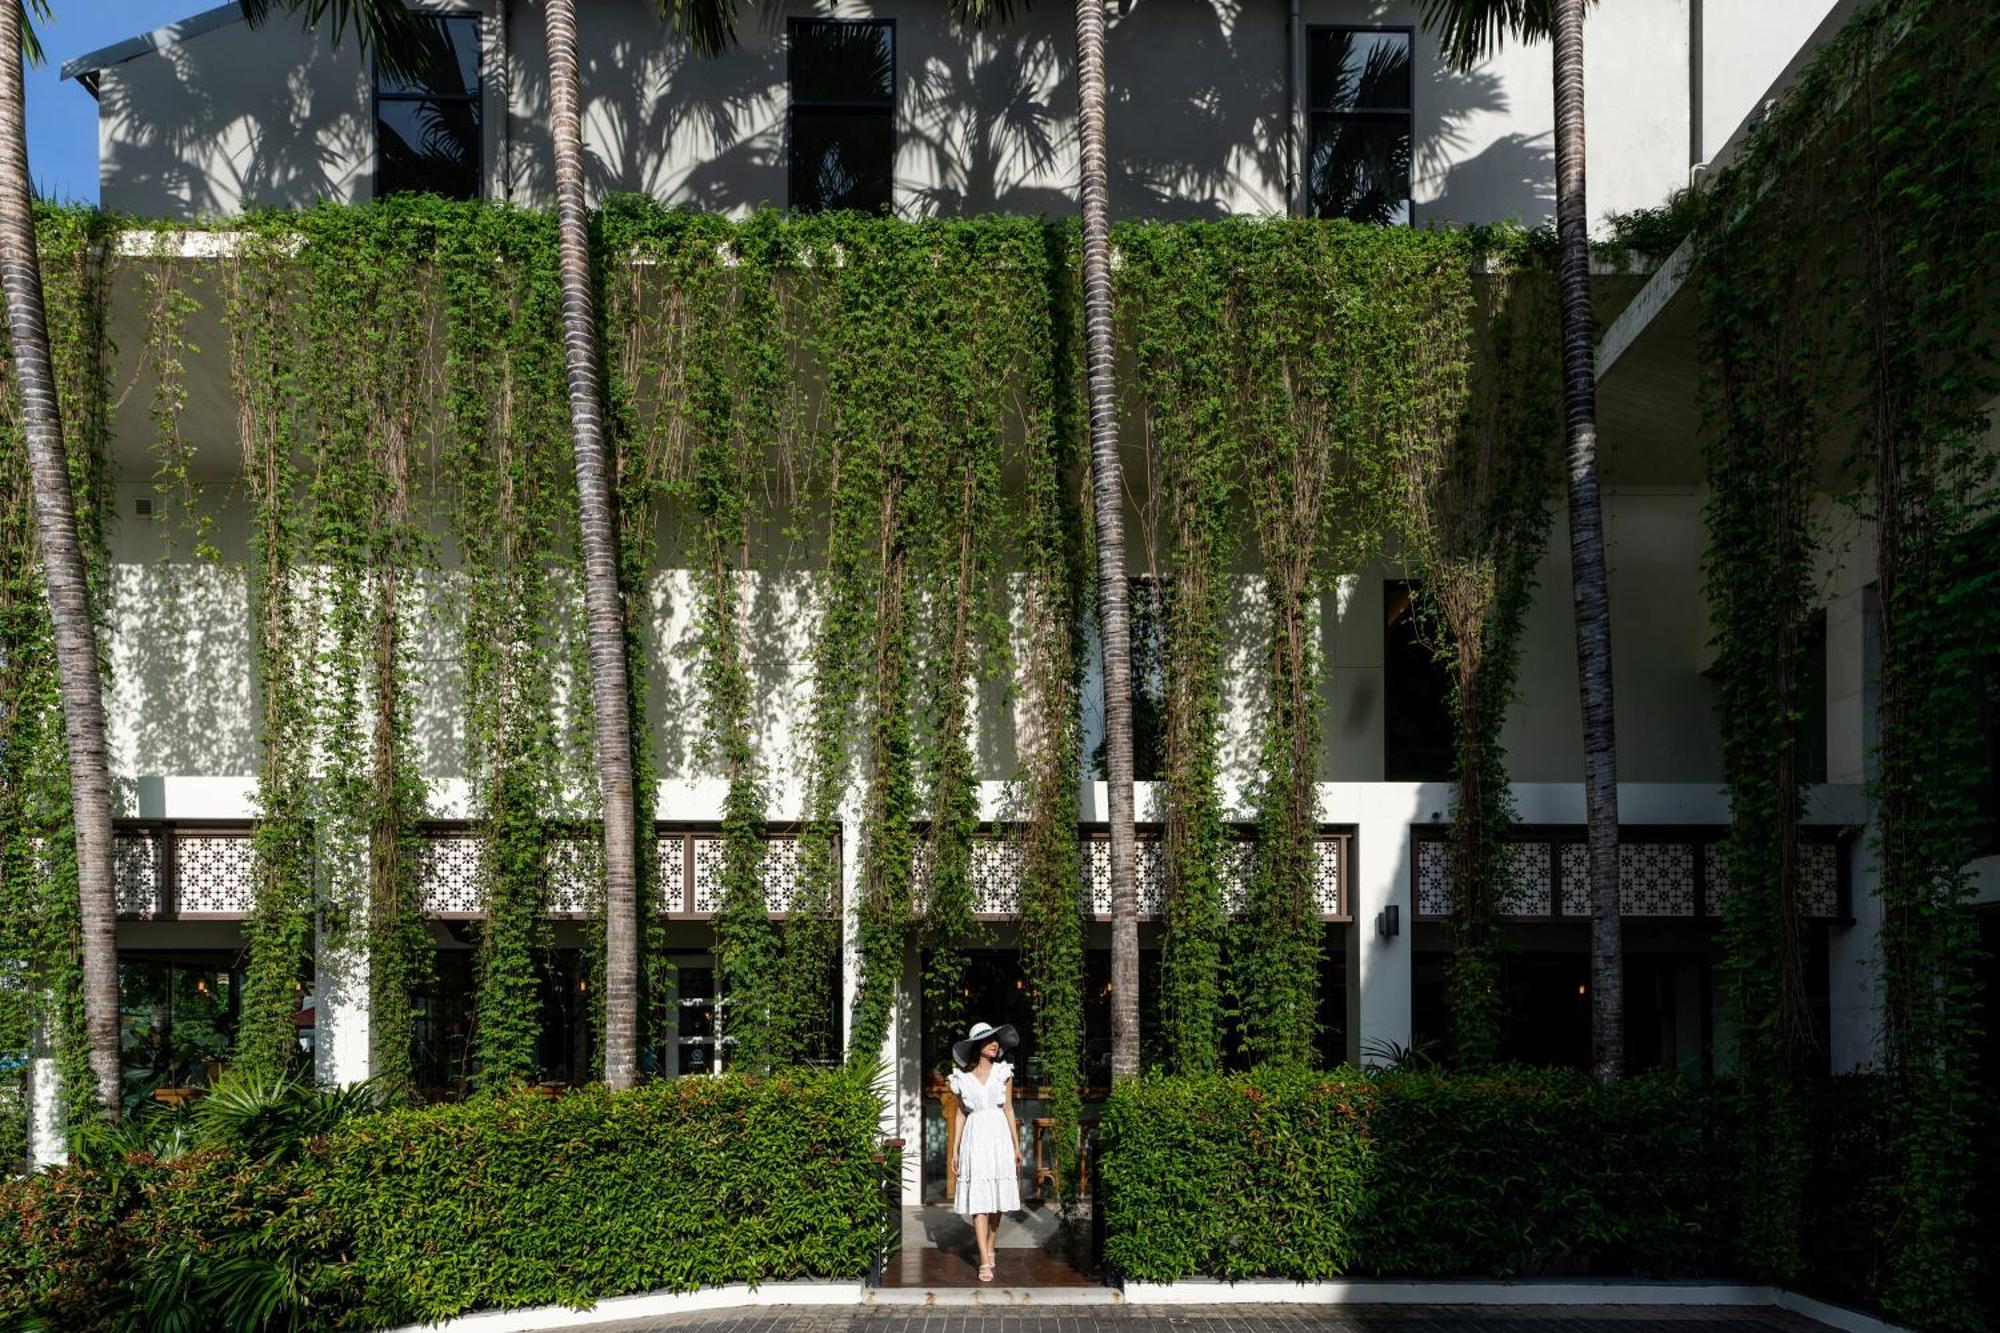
(62, 117)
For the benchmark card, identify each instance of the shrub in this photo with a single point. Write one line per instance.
(522, 1201)
(425, 1213)
(1308, 1176)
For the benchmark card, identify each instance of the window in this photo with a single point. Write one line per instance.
(1146, 599)
(1810, 696)
(843, 126)
(1417, 733)
(427, 117)
(1358, 88)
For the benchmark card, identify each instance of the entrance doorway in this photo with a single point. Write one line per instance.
(1036, 1245)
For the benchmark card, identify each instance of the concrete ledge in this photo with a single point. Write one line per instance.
(995, 1296)
(648, 1306)
(1833, 1316)
(1192, 1292)
(1265, 1291)
(1364, 1291)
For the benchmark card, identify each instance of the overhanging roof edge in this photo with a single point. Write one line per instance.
(158, 39)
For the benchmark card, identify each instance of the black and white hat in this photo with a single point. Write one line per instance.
(966, 1051)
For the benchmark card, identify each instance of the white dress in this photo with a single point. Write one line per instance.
(988, 1179)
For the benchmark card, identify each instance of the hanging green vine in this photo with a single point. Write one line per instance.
(1846, 265)
(507, 448)
(1054, 605)
(262, 309)
(41, 968)
(1174, 287)
(1476, 494)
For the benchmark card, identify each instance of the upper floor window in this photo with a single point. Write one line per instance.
(1418, 735)
(427, 117)
(1359, 94)
(843, 113)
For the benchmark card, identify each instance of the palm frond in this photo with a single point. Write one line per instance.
(399, 38)
(986, 13)
(708, 25)
(1469, 31)
(31, 41)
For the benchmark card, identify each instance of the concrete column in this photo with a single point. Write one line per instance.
(1854, 1025)
(45, 1140)
(1854, 1010)
(340, 1010)
(1379, 973)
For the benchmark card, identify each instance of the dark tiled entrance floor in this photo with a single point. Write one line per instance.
(1237, 1319)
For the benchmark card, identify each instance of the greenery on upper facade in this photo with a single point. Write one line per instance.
(289, 1209)
(1846, 267)
(837, 405)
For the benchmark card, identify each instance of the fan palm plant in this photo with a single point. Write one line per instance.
(1468, 31)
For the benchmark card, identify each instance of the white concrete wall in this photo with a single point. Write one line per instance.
(182, 704)
(1666, 725)
(1199, 125)
(1745, 45)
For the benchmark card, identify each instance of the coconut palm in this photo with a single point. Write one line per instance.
(1468, 31)
(604, 606)
(1107, 500)
(399, 40)
(63, 574)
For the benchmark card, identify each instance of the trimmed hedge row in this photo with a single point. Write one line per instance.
(425, 1213)
(1511, 1173)
(1306, 1175)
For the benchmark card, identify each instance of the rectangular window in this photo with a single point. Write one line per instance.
(843, 114)
(1359, 98)
(1417, 731)
(427, 116)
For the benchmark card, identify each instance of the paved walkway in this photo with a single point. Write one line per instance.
(1237, 1319)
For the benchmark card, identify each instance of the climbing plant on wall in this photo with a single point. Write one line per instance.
(866, 389)
(1474, 490)
(1174, 289)
(41, 1007)
(1847, 266)
(1053, 611)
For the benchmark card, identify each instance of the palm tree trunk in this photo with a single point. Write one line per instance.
(1113, 614)
(1586, 551)
(62, 571)
(609, 696)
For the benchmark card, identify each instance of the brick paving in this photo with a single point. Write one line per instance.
(1233, 1319)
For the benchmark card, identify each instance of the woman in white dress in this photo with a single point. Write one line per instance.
(989, 1140)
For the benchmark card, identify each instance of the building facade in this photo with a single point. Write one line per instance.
(1332, 108)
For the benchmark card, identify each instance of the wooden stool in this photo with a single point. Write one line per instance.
(1045, 1156)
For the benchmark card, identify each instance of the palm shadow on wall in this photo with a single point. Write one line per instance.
(292, 159)
(651, 108)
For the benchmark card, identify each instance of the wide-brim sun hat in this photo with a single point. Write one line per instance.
(966, 1049)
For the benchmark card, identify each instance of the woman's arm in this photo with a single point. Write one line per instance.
(1013, 1127)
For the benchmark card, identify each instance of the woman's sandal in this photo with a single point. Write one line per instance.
(986, 1272)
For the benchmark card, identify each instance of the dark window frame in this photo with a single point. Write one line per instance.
(476, 99)
(835, 106)
(1315, 116)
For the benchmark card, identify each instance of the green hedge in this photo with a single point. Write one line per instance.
(422, 1214)
(1306, 1175)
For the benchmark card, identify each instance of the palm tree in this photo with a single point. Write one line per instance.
(604, 605)
(1468, 30)
(63, 574)
(1108, 499)
(399, 39)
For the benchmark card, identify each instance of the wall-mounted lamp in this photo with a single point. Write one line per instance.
(1389, 921)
